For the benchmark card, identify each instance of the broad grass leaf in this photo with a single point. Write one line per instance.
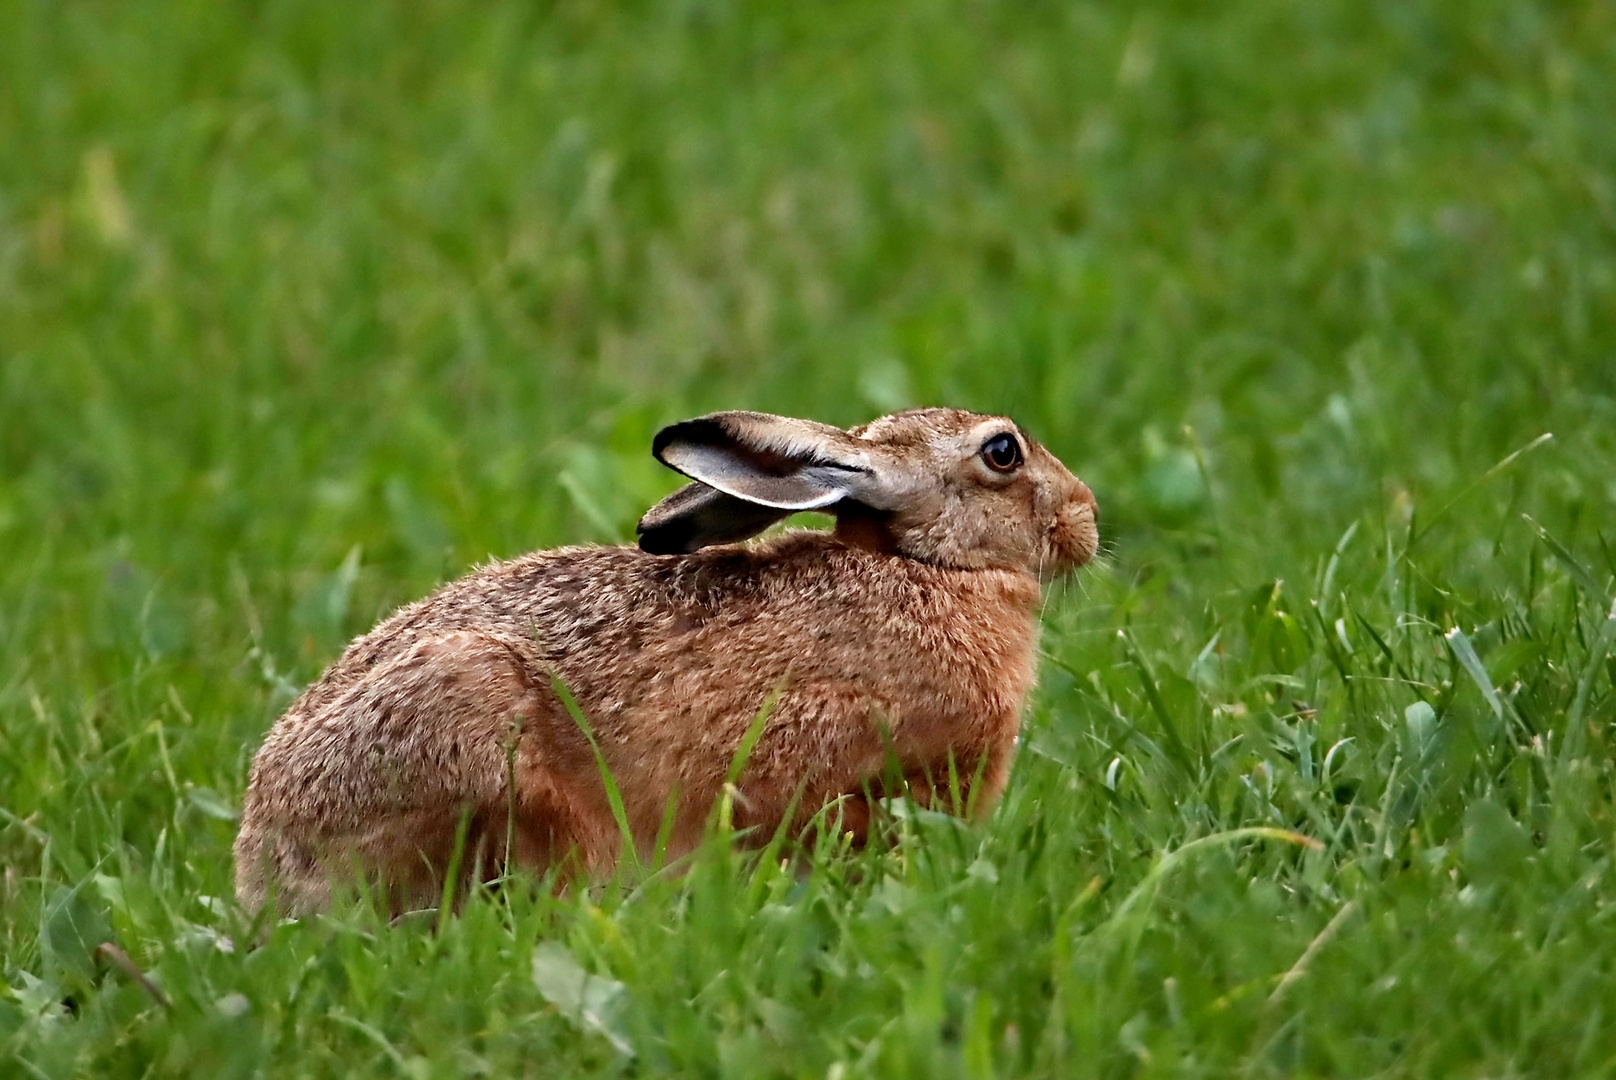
(1495, 844)
(225, 1042)
(37, 997)
(70, 931)
(1510, 657)
(593, 1002)
(907, 810)
(1420, 719)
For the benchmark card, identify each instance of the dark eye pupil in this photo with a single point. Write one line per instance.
(1002, 452)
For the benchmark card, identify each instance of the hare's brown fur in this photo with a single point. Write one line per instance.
(445, 717)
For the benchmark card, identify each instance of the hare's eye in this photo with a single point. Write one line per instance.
(1002, 453)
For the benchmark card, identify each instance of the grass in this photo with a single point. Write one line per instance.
(305, 308)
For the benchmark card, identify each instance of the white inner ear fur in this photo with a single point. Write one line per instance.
(812, 487)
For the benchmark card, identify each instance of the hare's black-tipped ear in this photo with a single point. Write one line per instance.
(696, 516)
(771, 460)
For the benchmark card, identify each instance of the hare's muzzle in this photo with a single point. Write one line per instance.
(1074, 537)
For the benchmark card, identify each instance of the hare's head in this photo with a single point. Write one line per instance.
(941, 486)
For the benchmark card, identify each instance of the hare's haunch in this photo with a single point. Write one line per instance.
(908, 633)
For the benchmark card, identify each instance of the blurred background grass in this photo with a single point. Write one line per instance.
(305, 308)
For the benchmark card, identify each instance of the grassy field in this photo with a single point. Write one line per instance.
(307, 307)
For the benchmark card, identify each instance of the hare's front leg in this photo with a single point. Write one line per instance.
(833, 742)
(386, 777)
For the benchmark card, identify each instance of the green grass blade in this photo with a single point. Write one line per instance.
(629, 853)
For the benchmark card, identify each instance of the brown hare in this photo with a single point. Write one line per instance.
(907, 635)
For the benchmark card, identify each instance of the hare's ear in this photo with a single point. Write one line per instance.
(752, 470)
(769, 460)
(696, 515)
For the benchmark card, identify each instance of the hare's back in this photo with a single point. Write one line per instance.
(619, 625)
(710, 636)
